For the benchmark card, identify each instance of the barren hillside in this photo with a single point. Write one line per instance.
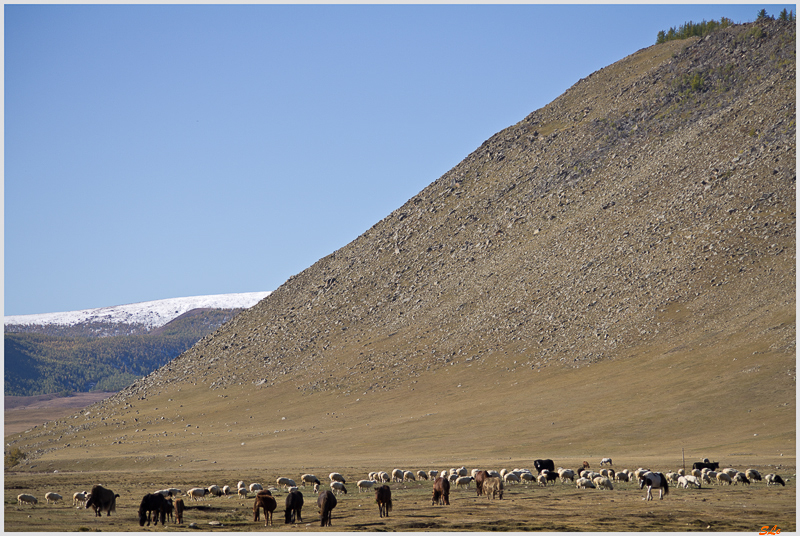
(614, 273)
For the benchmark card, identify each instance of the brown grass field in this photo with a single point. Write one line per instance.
(559, 507)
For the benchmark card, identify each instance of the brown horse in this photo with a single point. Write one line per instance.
(265, 500)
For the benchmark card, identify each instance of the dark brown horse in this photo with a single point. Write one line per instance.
(326, 502)
(383, 496)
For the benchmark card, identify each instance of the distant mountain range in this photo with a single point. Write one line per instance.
(110, 347)
(150, 313)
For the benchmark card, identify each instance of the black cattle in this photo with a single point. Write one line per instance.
(102, 500)
(294, 505)
(706, 465)
(155, 505)
(541, 465)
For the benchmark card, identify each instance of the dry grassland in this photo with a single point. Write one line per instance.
(559, 507)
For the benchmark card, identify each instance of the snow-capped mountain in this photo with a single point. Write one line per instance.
(151, 314)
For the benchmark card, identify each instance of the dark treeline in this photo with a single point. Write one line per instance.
(701, 29)
(37, 363)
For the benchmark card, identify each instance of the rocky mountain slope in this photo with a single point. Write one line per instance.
(635, 236)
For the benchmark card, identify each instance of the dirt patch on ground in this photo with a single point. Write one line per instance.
(21, 413)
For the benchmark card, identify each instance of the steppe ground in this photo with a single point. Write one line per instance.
(559, 507)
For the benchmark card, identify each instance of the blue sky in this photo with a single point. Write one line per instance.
(157, 151)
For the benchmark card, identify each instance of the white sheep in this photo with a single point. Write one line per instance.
(309, 479)
(527, 476)
(606, 461)
(383, 476)
(408, 475)
(283, 481)
(583, 483)
(709, 477)
(681, 472)
(226, 490)
(672, 477)
(24, 498)
(240, 484)
(462, 471)
(723, 478)
(164, 492)
(622, 477)
(336, 477)
(773, 479)
(739, 477)
(398, 475)
(433, 473)
(566, 474)
(603, 482)
(79, 498)
(511, 477)
(52, 496)
(364, 485)
(242, 492)
(685, 482)
(422, 475)
(542, 478)
(492, 472)
(697, 473)
(255, 486)
(197, 493)
(730, 471)
(338, 486)
(752, 474)
(214, 491)
(463, 481)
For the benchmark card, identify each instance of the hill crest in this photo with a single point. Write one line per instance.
(613, 272)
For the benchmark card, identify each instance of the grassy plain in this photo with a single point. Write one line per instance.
(559, 507)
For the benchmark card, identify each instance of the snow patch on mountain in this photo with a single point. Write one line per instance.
(152, 314)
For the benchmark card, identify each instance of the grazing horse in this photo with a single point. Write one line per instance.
(441, 491)
(326, 502)
(265, 500)
(654, 480)
(383, 496)
(606, 461)
(294, 506)
(480, 478)
(155, 505)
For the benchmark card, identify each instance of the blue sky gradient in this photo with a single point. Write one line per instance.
(156, 151)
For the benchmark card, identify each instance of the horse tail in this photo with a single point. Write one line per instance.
(665, 483)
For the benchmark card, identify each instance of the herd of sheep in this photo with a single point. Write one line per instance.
(488, 482)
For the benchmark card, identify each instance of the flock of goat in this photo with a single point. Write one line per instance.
(166, 503)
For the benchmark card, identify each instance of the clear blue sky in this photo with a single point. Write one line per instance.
(157, 151)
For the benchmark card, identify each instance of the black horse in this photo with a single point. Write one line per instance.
(294, 504)
(156, 505)
(326, 502)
